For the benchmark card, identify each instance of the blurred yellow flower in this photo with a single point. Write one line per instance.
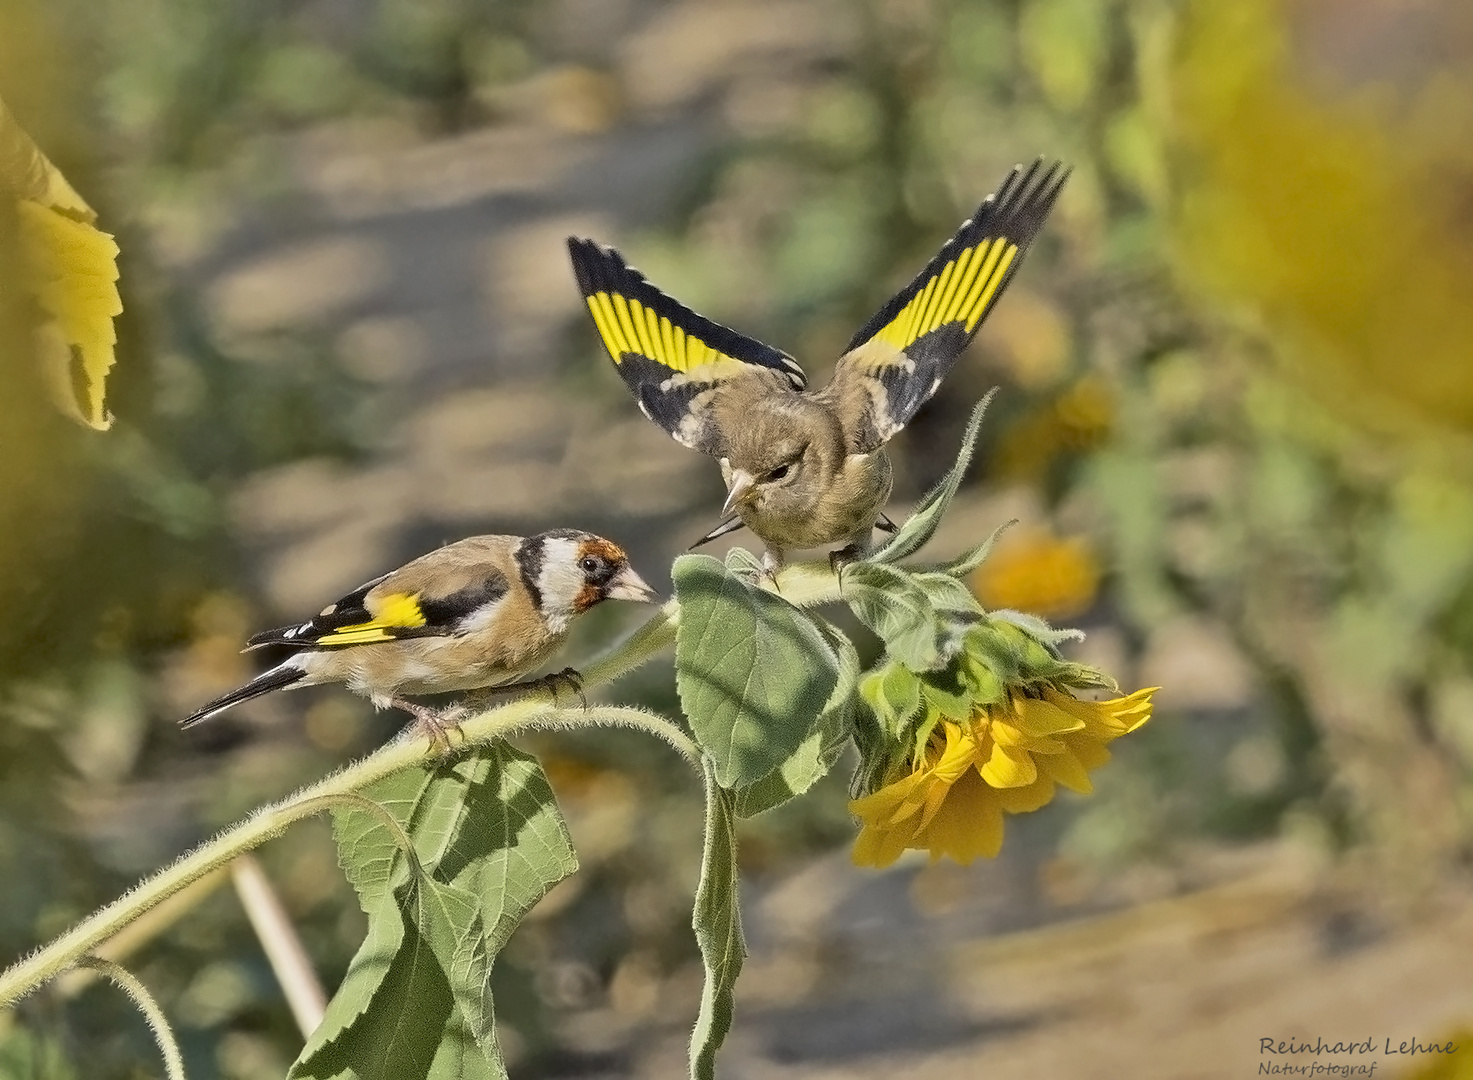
(1323, 173)
(950, 798)
(1079, 419)
(1040, 573)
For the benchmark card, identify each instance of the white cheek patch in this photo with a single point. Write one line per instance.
(559, 581)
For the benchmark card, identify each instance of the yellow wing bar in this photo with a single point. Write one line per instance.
(959, 293)
(635, 319)
(400, 611)
(627, 326)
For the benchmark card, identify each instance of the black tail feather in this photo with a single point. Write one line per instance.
(277, 678)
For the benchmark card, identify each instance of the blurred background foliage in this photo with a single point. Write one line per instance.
(1236, 425)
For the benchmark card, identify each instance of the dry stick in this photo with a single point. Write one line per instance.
(282, 945)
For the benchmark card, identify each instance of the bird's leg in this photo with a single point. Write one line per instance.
(772, 562)
(441, 725)
(847, 554)
(568, 678)
(854, 550)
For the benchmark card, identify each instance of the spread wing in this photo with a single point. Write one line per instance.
(674, 361)
(390, 608)
(898, 359)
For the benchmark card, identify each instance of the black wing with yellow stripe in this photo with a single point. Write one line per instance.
(672, 359)
(901, 355)
(370, 614)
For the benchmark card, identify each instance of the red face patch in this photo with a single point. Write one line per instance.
(611, 560)
(604, 548)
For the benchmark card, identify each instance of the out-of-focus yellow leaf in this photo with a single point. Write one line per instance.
(1324, 179)
(70, 269)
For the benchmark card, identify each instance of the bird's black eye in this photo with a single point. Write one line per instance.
(589, 564)
(779, 472)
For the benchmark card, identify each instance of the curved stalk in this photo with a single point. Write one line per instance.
(163, 1034)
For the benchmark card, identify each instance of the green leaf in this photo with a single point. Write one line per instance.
(890, 603)
(965, 563)
(744, 564)
(368, 853)
(416, 1002)
(752, 670)
(945, 693)
(718, 925)
(922, 525)
(824, 743)
(407, 1025)
(946, 593)
(894, 693)
(1037, 628)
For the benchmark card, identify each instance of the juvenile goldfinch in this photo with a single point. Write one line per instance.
(807, 468)
(478, 613)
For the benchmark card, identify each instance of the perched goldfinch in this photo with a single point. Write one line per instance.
(478, 613)
(808, 468)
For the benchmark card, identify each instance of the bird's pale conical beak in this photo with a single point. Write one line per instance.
(627, 585)
(741, 483)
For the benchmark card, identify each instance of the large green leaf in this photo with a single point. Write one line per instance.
(753, 671)
(918, 529)
(822, 746)
(416, 1001)
(718, 925)
(405, 1023)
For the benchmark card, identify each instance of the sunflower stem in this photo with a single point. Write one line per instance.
(163, 1034)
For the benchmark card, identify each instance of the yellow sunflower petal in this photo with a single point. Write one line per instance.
(879, 847)
(968, 826)
(961, 750)
(881, 805)
(1039, 719)
(72, 271)
(1091, 753)
(1008, 767)
(1067, 770)
(1106, 719)
(1024, 800)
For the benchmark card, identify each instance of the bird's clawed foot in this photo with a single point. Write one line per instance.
(441, 725)
(567, 679)
(772, 562)
(847, 554)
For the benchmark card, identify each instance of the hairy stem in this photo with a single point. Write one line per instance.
(163, 1034)
(521, 714)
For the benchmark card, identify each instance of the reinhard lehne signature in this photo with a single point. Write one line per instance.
(1286, 1057)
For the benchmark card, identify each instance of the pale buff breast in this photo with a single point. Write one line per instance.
(849, 506)
(431, 665)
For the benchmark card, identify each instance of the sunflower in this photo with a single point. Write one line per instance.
(949, 797)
